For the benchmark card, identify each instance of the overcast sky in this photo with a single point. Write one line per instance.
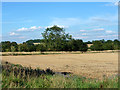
(83, 20)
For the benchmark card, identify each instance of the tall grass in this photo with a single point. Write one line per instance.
(16, 76)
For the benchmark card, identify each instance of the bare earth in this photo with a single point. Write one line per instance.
(92, 65)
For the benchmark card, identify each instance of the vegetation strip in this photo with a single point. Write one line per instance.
(16, 76)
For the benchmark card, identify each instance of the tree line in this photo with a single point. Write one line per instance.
(100, 45)
(55, 39)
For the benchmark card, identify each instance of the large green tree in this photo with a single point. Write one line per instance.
(55, 38)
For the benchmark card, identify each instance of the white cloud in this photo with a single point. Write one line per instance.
(113, 3)
(97, 18)
(12, 34)
(102, 36)
(23, 29)
(61, 26)
(21, 37)
(84, 33)
(82, 30)
(108, 36)
(30, 29)
(66, 21)
(109, 32)
(104, 20)
(98, 29)
(79, 37)
(39, 27)
(115, 35)
(33, 27)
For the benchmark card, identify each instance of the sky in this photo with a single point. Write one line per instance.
(88, 21)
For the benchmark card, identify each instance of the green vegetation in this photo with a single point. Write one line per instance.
(100, 45)
(17, 54)
(55, 39)
(16, 76)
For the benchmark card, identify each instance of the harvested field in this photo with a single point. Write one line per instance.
(92, 65)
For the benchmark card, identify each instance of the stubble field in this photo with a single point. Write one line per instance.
(91, 65)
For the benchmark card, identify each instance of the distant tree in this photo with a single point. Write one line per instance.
(0, 47)
(41, 47)
(13, 49)
(20, 47)
(78, 45)
(116, 41)
(75, 45)
(30, 42)
(13, 44)
(116, 44)
(6, 46)
(31, 48)
(97, 46)
(83, 47)
(89, 42)
(102, 41)
(23, 47)
(108, 45)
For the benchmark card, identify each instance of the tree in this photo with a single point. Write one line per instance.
(108, 45)
(40, 47)
(0, 47)
(13, 49)
(20, 47)
(88, 42)
(31, 42)
(102, 41)
(83, 47)
(55, 38)
(97, 45)
(6, 46)
(77, 45)
(31, 48)
(23, 47)
(116, 44)
(13, 43)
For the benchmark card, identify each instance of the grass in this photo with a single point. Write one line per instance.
(52, 52)
(18, 54)
(16, 76)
